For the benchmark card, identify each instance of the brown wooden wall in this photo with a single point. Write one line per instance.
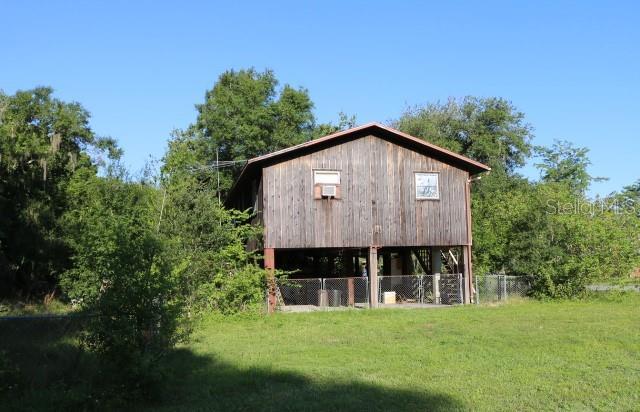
(377, 204)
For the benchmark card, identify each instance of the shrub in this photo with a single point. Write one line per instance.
(123, 277)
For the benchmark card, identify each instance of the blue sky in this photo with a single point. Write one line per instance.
(139, 67)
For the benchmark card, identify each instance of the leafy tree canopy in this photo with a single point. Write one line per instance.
(43, 143)
(490, 130)
(565, 163)
(244, 115)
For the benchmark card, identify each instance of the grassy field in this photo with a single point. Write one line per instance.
(522, 356)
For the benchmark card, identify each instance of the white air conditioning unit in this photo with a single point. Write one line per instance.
(329, 191)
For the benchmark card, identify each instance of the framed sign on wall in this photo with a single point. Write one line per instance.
(427, 186)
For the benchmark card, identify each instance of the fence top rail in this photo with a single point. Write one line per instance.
(297, 279)
(419, 276)
(347, 277)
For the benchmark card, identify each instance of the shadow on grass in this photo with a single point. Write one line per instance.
(43, 368)
(203, 383)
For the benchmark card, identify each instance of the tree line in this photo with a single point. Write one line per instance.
(149, 252)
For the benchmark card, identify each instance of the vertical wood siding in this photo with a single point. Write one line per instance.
(377, 205)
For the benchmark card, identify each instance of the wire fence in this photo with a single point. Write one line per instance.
(332, 292)
(346, 291)
(299, 291)
(423, 289)
(497, 288)
(354, 291)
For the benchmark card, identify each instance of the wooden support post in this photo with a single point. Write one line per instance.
(373, 277)
(436, 270)
(270, 266)
(351, 292)
(467, 273)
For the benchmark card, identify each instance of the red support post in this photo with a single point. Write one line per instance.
(270, 266)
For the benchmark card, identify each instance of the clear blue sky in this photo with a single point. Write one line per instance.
(139, 67)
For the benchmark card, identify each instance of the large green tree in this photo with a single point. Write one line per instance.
(43, 143)
(245, 115)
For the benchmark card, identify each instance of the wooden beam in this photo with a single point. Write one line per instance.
(270, 266)
(373, 277)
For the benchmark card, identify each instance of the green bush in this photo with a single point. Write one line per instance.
(123, 277)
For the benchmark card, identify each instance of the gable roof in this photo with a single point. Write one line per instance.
(255, 165)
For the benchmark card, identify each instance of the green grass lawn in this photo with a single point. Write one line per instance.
(522, 356)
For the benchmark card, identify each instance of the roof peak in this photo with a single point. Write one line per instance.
(420, 142)
(386, 132)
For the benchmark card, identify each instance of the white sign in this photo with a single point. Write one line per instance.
(427, 186)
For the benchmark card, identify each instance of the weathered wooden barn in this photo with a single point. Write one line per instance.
(369, 196)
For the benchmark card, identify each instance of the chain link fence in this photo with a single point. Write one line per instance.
(400, 289)
(346, 291)
(497, 288)
(451, 289)
(299, 291)
(446, 289)
(332, 292)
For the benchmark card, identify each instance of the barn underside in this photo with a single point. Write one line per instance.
(370, 277)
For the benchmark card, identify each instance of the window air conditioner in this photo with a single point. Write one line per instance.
(328, 191)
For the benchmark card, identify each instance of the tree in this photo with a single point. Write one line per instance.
(344, 122)
(565, 163)
(207, 241)
(43, 143)
(244, 116)
(489, 130)
(628, 201)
